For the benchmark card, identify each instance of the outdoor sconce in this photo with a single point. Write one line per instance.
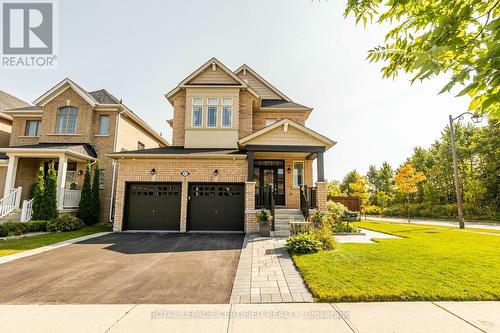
(152, 172)
(216, 173)
(80, 172)
(288, 170)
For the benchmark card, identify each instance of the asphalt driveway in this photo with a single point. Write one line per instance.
(125, 268)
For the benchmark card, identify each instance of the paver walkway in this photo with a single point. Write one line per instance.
(366, 238)
(266, 274)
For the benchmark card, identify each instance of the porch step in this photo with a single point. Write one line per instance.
(282, 219)
(15, 215)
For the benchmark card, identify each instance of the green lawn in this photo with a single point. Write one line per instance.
(429, 263)
(12, 246)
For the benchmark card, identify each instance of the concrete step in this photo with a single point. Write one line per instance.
(280, 233)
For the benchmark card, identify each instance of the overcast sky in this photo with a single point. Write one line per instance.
(139, 50)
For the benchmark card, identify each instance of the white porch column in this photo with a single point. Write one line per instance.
(10, 178)
(61, 180)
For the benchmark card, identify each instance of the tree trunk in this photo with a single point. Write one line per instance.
(408, 206)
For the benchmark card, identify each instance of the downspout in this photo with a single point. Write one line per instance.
(113, 178)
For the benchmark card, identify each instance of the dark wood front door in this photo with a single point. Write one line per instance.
(269, 175)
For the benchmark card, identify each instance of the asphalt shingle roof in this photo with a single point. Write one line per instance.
(182, 151)
(281, 104)
(81, 148)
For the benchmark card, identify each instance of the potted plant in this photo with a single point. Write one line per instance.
(264, 219)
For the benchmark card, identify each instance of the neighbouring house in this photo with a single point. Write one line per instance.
(71, 126)
(238, 144)
(7, 102)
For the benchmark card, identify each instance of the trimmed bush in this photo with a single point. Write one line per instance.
(303, 243)
(373, 210)
(325, 235)
(19, 228)
(49, 199)
(95, 202)
(85, 209)
(37, 192)
(65, 223)
(335, 209)
(343, 226)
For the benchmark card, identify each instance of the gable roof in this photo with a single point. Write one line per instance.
(7, 101)
(212, 62)
(247, 68)
(300, 130)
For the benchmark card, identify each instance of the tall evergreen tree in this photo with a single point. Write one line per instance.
(50, 193)
(94, 198)
(85, 208)
(350, 178)
(38, 191)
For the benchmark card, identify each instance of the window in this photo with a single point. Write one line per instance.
(103, 125)
(70, 175)
(212, 101)
(102, 173)
(227, 101)
(298, 174)
(270, 121)
(197, 101)
(197, 116)
(212, 116)
(140, 145)
(66, 120)
(33, 128)
(227, 116)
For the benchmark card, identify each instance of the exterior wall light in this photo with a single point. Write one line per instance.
(288, 170)
(216, 173)
(152, 172)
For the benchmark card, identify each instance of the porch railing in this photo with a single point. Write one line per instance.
(27, 212)
(11, 201)
(71, 198)
(307, 200)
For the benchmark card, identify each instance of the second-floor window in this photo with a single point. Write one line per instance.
(227, 112)
(197, 114)
(212, 116)
(33, 128)
(66, 120)
(103, 125)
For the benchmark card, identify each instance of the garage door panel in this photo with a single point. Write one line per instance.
(153, 206)
(216, 207)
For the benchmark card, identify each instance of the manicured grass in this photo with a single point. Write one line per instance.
(429, 263)
(12, 246)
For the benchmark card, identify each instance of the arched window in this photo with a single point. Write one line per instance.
(66, 120)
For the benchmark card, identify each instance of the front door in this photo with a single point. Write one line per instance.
(269, 175)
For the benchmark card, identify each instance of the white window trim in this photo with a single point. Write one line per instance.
(303, 174)
(200, 98)
(38, 128)
(192, 116)
(224, 104)
(67, 120)
(100, 122)
(216, 115)
(222, 116)
(216, 101)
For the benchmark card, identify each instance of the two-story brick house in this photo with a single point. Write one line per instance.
(236, 139)
(72, 126)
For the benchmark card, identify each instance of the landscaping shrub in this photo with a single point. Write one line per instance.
(49, 200)
(65, 223)
(445, 211)
(94, 195)
(303, 243)
(318, 217)
(350, 216)
(325, 235)
(343, 226)
(373, 210)
(19, 228)
(85, 208)
(335, 209)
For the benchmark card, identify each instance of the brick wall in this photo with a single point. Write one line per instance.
(179, 119)
(321, 195)
(251, 224)
(246, 114)
(169, 170)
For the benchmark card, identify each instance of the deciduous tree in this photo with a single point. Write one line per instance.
(407, 179)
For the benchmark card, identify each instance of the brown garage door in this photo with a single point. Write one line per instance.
(216, 207)
(153, 206)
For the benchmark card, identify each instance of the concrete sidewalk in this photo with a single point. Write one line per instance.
(299, 317)
(473, 225)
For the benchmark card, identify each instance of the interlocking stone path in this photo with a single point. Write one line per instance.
(266, 274)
